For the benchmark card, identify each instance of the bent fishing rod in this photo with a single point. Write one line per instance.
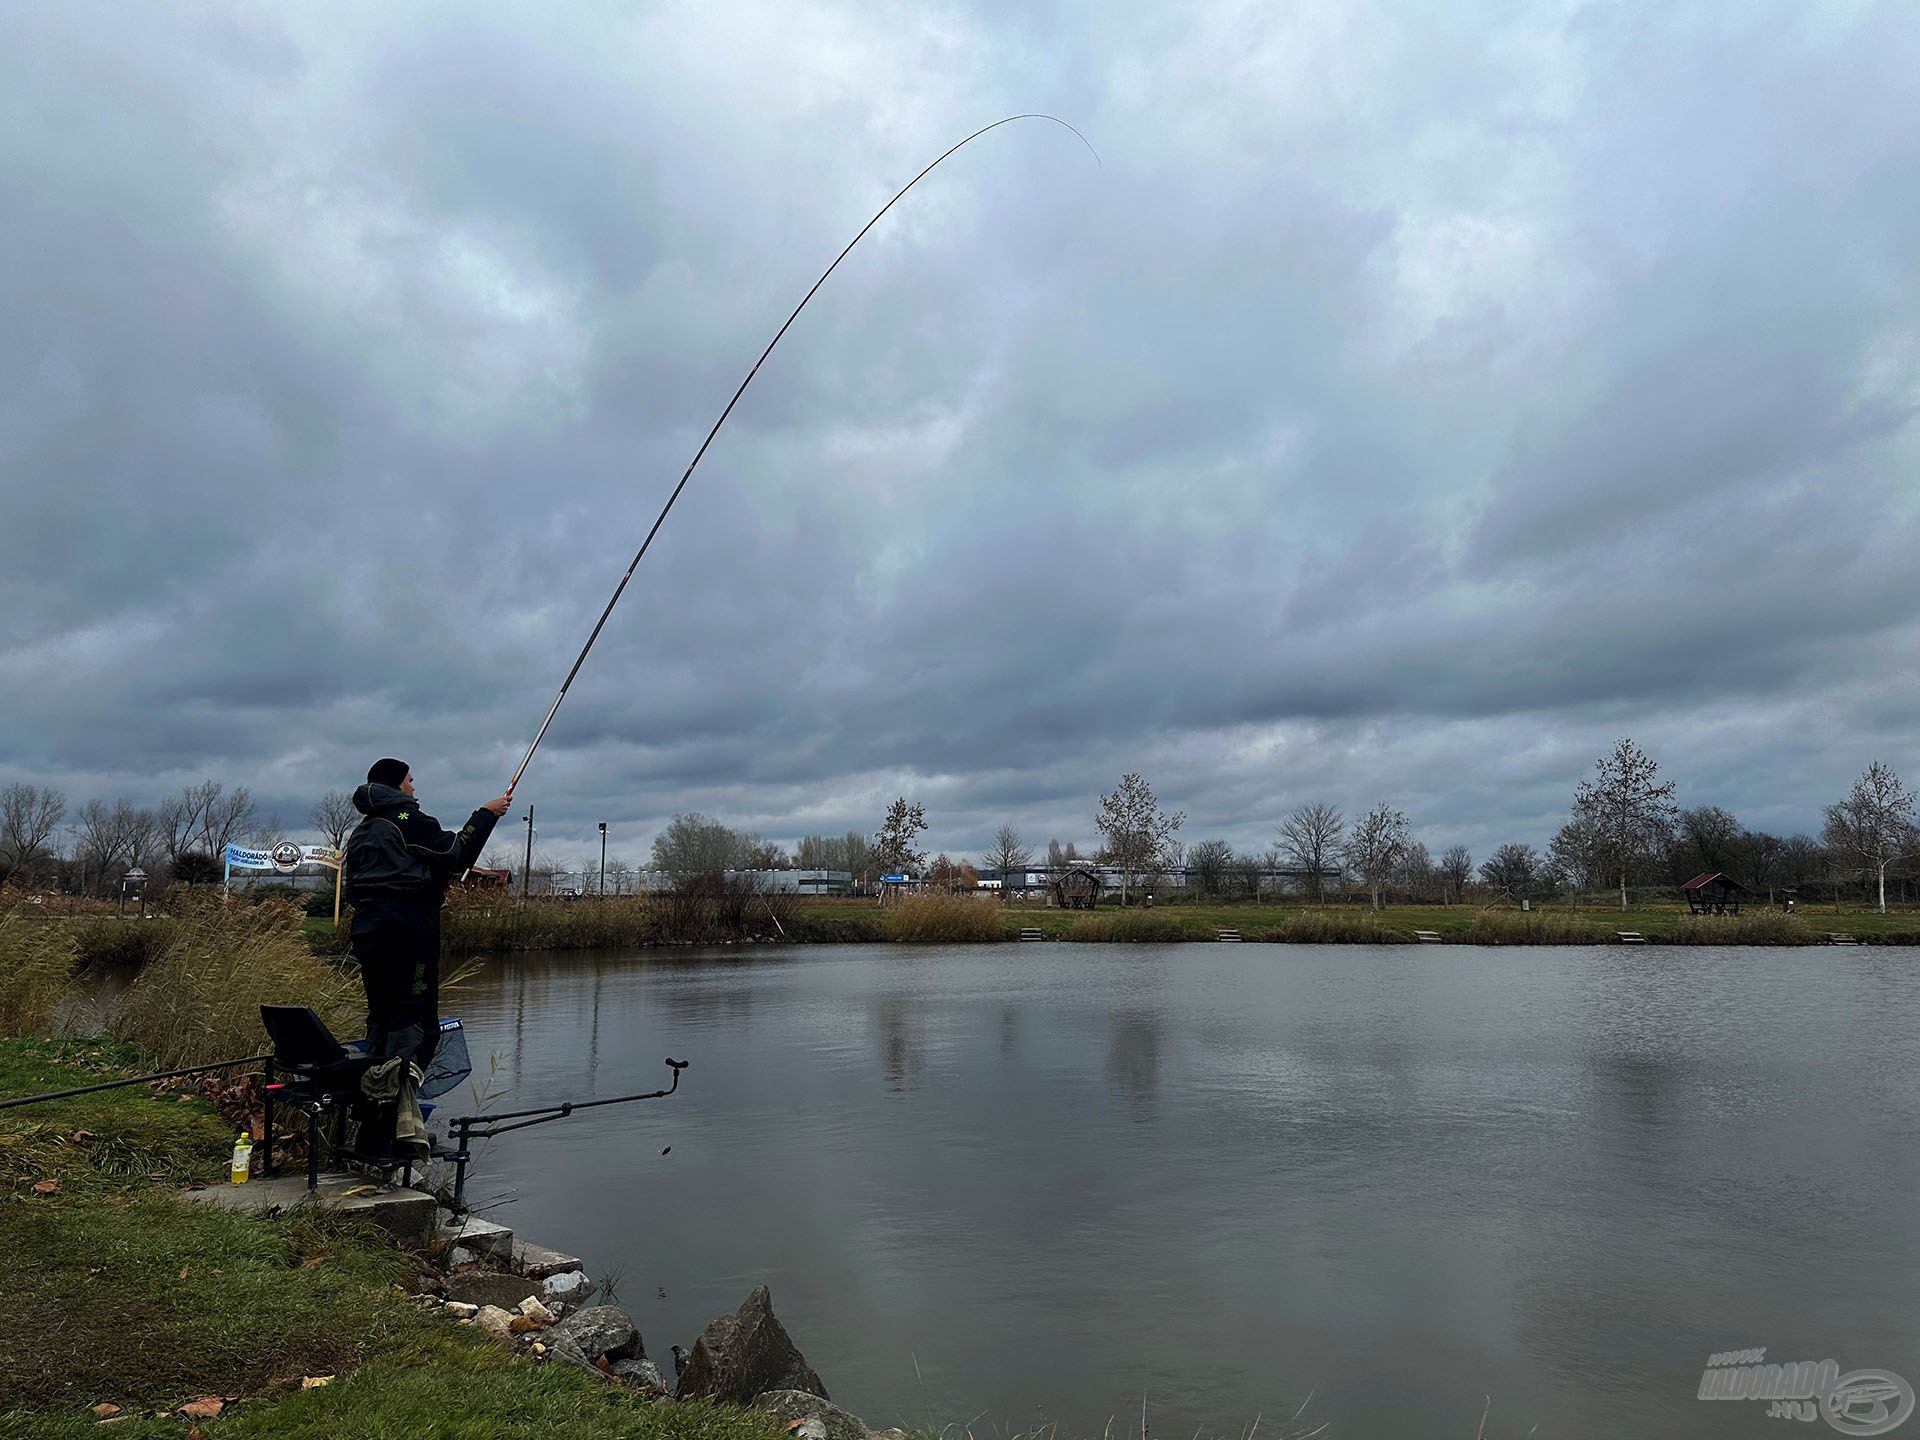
(660, 519)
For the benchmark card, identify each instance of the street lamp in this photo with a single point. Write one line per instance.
(526, 870)
(603, 859)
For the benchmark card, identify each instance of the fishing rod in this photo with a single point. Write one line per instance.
(660, 519)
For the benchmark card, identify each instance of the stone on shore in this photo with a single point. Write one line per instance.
(487, 1287)
(600, 1331)
(643, 1373)
(496, 1322)
(744, 1355)
(801, 1413)
(572, 1286)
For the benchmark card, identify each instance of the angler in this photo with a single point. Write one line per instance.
(398, 863)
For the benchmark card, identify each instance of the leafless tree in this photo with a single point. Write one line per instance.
(206, 818)
(1212, 864)
(1512, 870)
(1456, 869)
(1630, 808)
(1379, 841)
(110, 839)
(1310, 838)
(333, 816)
(1006, 855)
(29, 814)
(1874, 824)
(1139, 835)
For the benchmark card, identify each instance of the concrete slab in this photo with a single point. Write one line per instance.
(407, 1215)
(481, 1236)
(540, 1262)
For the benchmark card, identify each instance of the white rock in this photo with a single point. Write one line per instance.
(534, 1310)
(568, 1285)
(462, 1309)
(460, 1255)
(495, 1321)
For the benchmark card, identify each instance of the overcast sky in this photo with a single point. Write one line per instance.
(1414, 400)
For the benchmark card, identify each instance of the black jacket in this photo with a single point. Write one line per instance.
(400, 853)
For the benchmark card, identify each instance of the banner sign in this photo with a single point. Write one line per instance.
(283, 857)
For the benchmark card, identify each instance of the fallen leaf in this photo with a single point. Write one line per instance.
(602, 1366)
(183, 1273)
(80, 1135)
(46, 1187)
(793, 1425)
(314, 1382)
(205, 1408)
(196, 1433)
(314, 1262)
(103, 1409)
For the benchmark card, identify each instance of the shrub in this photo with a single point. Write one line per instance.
(36, 963)
(1127, 925)
(200, 999)
(120, 942)
(947, 918)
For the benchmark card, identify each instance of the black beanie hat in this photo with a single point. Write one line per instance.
(388, 772)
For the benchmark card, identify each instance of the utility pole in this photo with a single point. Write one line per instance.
(526, 871)
(603, 859)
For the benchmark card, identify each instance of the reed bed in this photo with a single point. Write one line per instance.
(200, 999)
(944, 919)
(1534, 927)
(1767, 927)
(1131, 926)
(36, 968)
(1336, 927)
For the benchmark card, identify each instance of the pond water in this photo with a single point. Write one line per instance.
(1021, 1185)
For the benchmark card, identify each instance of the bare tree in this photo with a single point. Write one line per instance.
(1310, 838)
(1630, 808)
(1415, 874)
(1211, 862)
(1138, 834)
(206, 818)
(1007, 855)
(1712, 839)
(333, 816)
(694, 844)
(110, 839)
(29, 814)
(1512, 870)
(1456, 869)
(1379, 841)
(1874, 824)
(893, 842)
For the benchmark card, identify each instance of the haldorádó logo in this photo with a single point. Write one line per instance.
(1861, 1402)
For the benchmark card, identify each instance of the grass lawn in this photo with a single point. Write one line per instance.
(123, 1295)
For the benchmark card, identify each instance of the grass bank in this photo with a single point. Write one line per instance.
(140, 1301)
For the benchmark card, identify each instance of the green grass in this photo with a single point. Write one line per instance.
(136, 1299)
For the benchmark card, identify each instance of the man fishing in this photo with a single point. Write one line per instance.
(398, 863)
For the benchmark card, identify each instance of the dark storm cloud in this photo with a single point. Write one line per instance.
(1410, 404)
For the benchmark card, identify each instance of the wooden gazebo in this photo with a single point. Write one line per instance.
(1076, 889)
(1713, 894)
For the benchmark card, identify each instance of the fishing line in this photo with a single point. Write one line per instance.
(660, 519)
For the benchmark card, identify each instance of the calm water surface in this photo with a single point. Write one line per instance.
(1037, 1183)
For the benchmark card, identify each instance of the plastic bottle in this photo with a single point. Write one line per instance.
(243, 1159)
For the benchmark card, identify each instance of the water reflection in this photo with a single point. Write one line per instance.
(1039, 1186)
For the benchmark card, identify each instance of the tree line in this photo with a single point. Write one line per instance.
(1623, 831)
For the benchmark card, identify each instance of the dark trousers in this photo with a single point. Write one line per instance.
(398, 947)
